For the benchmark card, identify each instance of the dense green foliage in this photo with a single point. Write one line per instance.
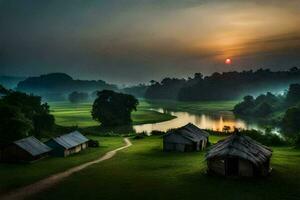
(222, 86)
(22, 115)
(264, 106)
(291, 122)
(14, 125)
(293, 95)
(76, 97)
(113, 109)
(260, 106)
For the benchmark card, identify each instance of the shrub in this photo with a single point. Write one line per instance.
(158, 133)
(93, 143)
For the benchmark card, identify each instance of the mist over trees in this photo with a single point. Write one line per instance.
(138, 91)
(54, 86)
(285, 108)
(10, 82)
(76, 97)
(222, 86)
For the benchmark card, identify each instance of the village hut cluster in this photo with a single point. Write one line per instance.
(237, 155)
(31, 149)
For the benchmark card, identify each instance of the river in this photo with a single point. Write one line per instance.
(215, 121)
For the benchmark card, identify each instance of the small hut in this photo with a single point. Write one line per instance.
(67, 144)
(25, 150)
(185, 139)
(239, 155)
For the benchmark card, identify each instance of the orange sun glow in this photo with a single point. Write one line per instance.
(228, 61)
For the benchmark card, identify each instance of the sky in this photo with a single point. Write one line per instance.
(134, 41)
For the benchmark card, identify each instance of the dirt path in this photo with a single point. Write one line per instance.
(46, 183)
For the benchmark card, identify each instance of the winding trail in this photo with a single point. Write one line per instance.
(46, 183)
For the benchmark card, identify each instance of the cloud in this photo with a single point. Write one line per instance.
(120, 39)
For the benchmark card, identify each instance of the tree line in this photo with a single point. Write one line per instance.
(222, 86)
(270, 106)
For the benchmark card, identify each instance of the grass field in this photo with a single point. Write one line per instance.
(68, 114)
(145, 172)
(16, 175)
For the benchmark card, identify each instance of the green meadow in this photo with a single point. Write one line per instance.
(17, 175)
(68, 114)
(144, 171)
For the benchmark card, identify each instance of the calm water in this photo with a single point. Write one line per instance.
(215, 121)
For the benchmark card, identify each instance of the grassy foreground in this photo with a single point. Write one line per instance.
(145, 172)
(68, 114)
(17, 175)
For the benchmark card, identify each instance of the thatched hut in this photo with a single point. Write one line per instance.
(239, 155)
(186, 138)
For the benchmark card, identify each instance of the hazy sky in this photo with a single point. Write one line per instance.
(131, 41)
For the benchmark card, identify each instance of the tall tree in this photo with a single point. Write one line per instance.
(113, 109)
(14, 125)
(291, 123)
(32, 108)
(293, 95)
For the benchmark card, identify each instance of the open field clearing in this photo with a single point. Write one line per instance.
(68, 114)
(145, 172)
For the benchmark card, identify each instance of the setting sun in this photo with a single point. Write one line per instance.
(228, 61)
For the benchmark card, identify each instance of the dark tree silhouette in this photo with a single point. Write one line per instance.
(291, 123)
(293, 95)
(113, 109)
(32, 108)
(14, 125)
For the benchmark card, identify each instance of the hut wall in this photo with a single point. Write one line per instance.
(217, 166)
(75, 149)
(245, 168)
(84, 145)
(13, 153)
(57, 150)
(175, 143)
(203, 144)
(265, 168)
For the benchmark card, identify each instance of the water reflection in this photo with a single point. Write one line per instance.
(215, 122)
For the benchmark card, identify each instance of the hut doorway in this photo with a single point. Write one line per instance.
(232, 166)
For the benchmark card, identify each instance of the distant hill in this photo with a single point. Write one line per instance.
(10, 82)
(56, 86)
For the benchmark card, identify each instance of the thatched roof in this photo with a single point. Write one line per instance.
(190, 132)
(240, 146)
